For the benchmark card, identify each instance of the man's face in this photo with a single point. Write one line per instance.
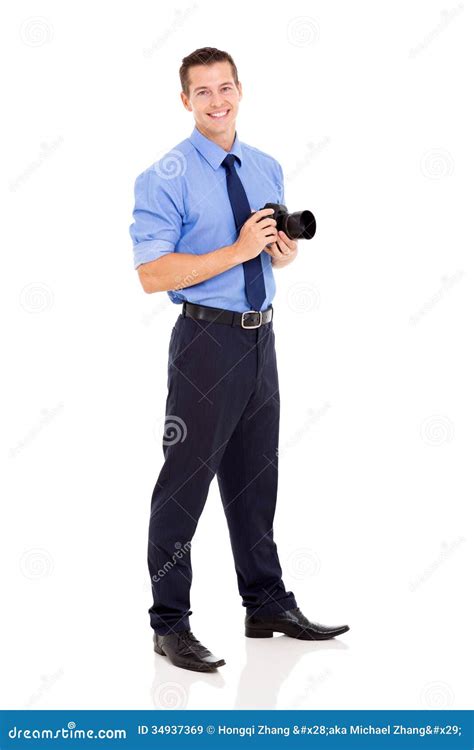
(213, 98)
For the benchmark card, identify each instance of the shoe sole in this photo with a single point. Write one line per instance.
(183, 665)
(254, 633)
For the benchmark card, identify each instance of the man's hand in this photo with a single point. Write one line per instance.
(257, 231)
(283, 251)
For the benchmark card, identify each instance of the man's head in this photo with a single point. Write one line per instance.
(210, 86)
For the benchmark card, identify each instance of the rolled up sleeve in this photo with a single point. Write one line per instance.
(157, 217)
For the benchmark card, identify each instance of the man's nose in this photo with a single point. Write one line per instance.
(216, 102)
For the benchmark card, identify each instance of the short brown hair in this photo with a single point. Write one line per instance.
(204, 56)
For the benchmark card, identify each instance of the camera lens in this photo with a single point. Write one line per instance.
(300, 225)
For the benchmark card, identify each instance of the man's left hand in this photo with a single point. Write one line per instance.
(283, 251)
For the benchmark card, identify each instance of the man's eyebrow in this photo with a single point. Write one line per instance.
(205, 87)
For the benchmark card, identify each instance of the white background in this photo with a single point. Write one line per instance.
(367, 107)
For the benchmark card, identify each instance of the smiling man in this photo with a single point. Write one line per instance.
(199, 234)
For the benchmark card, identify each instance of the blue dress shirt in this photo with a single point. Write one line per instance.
(182, 206)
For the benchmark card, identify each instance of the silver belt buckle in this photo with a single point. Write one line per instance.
(251, 312)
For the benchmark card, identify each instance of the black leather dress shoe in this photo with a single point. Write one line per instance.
(292, 622)
(184, 650)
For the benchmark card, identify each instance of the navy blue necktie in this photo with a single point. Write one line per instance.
(253, 269)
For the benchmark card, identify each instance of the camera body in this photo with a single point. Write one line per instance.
(298, 225)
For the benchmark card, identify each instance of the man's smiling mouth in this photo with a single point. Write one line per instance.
(219, 115)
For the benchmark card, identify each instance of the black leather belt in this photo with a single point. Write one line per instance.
(249, 319)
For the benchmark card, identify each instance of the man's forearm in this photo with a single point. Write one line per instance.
(179, 270)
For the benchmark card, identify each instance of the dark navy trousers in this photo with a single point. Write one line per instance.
(222, 419)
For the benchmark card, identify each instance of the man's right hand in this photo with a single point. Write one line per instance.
(257, 232)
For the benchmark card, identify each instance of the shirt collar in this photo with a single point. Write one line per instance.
(213, 153)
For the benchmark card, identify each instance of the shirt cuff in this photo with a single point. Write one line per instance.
(148, 250)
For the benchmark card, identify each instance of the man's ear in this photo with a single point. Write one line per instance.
(239, 87)
(185, 101)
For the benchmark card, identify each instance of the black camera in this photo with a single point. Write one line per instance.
(300, 225)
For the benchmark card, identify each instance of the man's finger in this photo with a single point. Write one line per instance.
(272, 250)
(284, 249)
(291, 244)
(264, 213)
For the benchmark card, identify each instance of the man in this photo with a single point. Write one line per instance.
(200, 235)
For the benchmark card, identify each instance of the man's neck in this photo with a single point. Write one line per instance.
(224, 140)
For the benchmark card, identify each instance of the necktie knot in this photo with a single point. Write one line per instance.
(229, 160)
